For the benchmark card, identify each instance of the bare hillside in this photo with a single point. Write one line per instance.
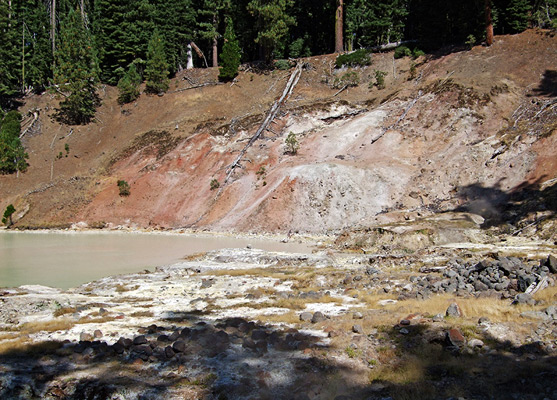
(465, 131)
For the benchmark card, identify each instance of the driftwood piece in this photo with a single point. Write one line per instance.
(294, 78)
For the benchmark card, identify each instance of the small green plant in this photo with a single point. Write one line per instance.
(7, 218)
(358, 58)
(380, 79)
(67, 148)
(124, 188)
(282, 65)
(349, 79)
(261, 172)
(470, 41)
(352, 352)
(59, 156)
(214, 184)
(292, 144)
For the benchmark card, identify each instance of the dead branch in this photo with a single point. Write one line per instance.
(341, 90)
(197, 86)
(392, 126)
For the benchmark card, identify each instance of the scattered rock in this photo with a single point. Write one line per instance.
(318, 316)
(523, 298)
(179, 346)
(85, 337)
(455, 338)
(475, 343)
(357, 315)
(141, 339)
(454, 311)
(357, 328)
(306, 316)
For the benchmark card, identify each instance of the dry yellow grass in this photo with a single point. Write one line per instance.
(46, 326)
(496, 310)
(290, 317)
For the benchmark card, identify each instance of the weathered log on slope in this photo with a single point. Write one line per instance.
(294, 78)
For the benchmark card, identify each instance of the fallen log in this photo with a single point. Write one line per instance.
(294, 78)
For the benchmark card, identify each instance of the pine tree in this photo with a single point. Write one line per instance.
(176, 22)
(209, 23)
(273, 22)
(517, 15)
(37, 56)
(122, 29)
(230, 56)
(76, 71)
(376, 22)
(128, 86)
(12, 153)
(156, 70)
(9, 51)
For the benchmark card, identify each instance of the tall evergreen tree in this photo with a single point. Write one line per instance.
(156, 71)
(122, 29)
(209, 21)
(376, 22)
(36, 69)
(517, 15)
(176, 22)
(128, 86)
(76, 71)
(12, 153)
(273, 22)
(230, 56)
(9, 51)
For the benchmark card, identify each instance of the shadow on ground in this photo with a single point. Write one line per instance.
(499, 207)
(196, 358)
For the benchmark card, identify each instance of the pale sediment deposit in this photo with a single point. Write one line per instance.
(245, 323)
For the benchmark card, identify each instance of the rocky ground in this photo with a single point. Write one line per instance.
(441, 322)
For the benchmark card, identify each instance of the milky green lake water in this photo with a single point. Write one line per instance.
(64, 260)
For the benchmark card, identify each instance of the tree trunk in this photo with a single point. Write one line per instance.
(82, 10)
(339, 27)
(488, 23)
(53, 26)
(215, 52)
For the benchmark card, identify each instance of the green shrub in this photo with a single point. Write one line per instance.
(214, 184)
(358, 58)
(349, 79)
(128, 86)
(405, 51)
(8, 215)
(298, 48)
(402, 51)
(124, 188)
(292, 144)
(380, 79)
(417, 53)
(283, 65)
(470, 41)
